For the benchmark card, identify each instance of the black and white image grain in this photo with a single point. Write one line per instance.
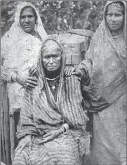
(63, 82)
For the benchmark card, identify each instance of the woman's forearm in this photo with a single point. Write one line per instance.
(27, 131)
(8, 75)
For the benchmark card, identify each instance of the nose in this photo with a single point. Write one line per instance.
(51, 60)
(26, 19)
(113, 18)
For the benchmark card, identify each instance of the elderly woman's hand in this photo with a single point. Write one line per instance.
(55, 133)
(33, 70)
(25, 142)
(69, 71)
(51, 135)
(26, 81)
(72, 71)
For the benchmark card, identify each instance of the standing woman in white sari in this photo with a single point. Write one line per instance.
(106, 64)
(21, 46)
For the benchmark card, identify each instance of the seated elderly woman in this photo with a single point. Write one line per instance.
(52, 121)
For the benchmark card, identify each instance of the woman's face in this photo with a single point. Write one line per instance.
(114, 18)
(51, 56)
(28, 20)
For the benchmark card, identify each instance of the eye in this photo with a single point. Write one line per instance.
(55, 56)
(22, 17)
(30, 16)
(109, 14)
(47, 57)
(117, 15)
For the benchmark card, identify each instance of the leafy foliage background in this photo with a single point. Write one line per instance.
(58, 16)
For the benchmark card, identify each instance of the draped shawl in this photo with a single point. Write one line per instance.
(20, 52)
(108, 80)
(108, 58)
(41, 113)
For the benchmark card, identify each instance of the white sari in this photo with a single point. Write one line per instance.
(20, 52)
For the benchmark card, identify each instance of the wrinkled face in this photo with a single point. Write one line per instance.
(28, 20)
(51, 56)
(114, 18)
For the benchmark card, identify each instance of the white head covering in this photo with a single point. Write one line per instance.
(17, 43)
(20, 52)
(109, 60)
(16, 30)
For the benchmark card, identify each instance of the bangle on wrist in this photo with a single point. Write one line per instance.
(65, 127)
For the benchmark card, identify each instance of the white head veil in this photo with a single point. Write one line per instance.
(16, 31)
(20, 51)
(16, 37)
(109, 59)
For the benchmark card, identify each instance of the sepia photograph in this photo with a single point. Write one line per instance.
(63, 82)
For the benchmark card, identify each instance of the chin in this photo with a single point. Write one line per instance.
(28, 30)
(52, 70)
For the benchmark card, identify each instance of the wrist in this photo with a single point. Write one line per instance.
(65, 127)
(14, 77)
(28, 137)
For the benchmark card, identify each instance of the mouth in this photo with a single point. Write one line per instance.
(113, 24)
(26, 26)
(51, 66)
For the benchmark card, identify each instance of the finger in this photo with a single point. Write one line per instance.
(46, 135)
(33, 71)
(17, 149)
(22, 147)
(31, 82)
(20, 150)
(47, 139)
(30, 86)
(70, 73)
(75, 73)
(67, 73)
(33, 79)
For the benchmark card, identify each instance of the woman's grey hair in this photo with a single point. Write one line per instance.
(45, 44)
